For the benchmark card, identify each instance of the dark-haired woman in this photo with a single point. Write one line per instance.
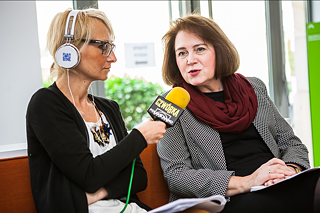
(231, 137)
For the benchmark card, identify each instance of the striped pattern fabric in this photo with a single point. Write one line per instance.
(192, 157)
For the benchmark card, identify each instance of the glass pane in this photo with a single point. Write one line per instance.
(138, 24)
(244, 24)
(204, 7)
(296, 66)
(46, 10)
(135, 79)
(175, 9)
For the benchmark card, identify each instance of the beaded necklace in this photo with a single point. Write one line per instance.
(102, 133)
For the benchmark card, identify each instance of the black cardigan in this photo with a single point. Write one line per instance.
(62, 167)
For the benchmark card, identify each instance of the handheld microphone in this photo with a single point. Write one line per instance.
(169, 109)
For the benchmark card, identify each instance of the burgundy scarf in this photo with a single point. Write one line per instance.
(235, 114)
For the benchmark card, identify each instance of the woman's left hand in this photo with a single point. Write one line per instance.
(281, 169)
(98, 195)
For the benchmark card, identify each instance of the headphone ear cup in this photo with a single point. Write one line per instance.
(68, 56)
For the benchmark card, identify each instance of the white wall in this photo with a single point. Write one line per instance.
(20, 72)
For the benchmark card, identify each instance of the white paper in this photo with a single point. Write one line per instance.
(200, 203)
(257, 188)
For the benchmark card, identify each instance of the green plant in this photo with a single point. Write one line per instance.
(134, 97)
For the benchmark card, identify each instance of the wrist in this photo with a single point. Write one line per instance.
(294, 167)
(244, 185)
(238, 185)
(103, 193)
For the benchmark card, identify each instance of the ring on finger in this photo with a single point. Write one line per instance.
(269, 172)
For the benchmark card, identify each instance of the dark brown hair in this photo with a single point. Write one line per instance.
(227, 57)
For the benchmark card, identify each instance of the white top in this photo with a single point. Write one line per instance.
(94, 147)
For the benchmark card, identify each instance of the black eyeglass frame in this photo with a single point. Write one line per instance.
(105, 43)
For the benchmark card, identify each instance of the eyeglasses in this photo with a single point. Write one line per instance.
(106, 46)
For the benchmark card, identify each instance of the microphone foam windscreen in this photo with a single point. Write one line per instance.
(179, 96)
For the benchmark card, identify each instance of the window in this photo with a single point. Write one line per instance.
(296, 67)
(244, 24)
(139, 27)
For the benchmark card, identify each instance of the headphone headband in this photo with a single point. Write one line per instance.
(71, 21)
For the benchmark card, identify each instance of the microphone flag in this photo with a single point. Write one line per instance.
(163, 110)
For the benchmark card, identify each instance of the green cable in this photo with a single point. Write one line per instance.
(129, 190)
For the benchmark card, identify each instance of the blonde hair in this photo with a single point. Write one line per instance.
(83, 30)
(227, 57)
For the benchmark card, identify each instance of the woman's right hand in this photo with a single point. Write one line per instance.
(152, 131)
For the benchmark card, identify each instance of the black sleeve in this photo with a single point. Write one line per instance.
(119, 186)
(56, 125)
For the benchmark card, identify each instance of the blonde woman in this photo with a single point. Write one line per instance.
(80, 153)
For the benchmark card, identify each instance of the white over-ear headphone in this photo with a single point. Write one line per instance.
(68, 55)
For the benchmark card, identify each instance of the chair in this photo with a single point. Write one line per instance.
(157, 192)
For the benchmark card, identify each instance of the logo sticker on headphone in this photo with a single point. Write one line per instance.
(68, 56)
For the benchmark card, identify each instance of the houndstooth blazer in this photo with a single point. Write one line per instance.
(192, 157)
